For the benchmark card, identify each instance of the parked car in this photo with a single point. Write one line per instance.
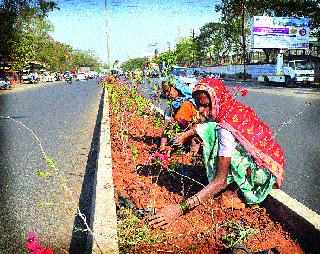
(4, 84)
(25, 77)
(81, 76)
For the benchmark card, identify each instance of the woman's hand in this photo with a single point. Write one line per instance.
(180, 139)
(166, 216)
(185, 135)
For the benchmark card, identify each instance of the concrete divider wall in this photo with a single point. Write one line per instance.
(254, 70)
(103, 216)
(299, 220)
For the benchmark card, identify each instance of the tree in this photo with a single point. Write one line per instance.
(16, 20)
(184, 51)
(134, 63)
(219, 39)
(167, 58)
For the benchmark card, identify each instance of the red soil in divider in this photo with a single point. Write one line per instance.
(199, 231)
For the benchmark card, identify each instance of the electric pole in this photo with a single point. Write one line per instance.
(107, 33)
(168, 42)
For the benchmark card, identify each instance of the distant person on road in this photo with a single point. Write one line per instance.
(237, 148)
(182, 108)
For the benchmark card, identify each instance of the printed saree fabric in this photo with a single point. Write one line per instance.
(186, 92)
(245, 125)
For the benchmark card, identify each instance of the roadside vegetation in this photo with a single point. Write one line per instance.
(26, 30)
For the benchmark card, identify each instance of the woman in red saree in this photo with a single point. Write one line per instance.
(237, 147)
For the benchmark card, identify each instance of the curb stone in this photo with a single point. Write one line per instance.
(301, 221)
(103, 216)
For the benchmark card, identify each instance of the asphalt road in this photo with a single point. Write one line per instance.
(64, 119)
(297, 134)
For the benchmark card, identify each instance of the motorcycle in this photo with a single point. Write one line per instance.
(68, 79)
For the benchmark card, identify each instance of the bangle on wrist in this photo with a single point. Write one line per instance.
(198, 199)
(184, 206)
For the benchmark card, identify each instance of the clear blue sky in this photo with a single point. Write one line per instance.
(134, 26)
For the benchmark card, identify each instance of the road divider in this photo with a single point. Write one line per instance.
(298, 219)
(103, 216)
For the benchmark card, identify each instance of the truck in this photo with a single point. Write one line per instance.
(290, 72)
(85, 70)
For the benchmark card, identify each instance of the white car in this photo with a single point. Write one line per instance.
(81, 76)
(4, 84)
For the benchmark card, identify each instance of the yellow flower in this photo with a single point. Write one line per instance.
(263, 143)
(274, 167)
(250, 131)
(268, 161)
(235, 119)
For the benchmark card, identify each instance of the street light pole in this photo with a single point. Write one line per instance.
(243, 38)
(107, 32)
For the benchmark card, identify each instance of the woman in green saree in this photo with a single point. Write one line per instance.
(237, 147)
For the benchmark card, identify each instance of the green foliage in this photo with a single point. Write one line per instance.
(16, 21)
(157, 119)
(174, 165)
(132, 233)
(185, 50)
(135, 151)
(236, 233)
(50, 162)
(219, 39)
(43, 173)
(26, 29)
(169, 57)
(135, 63)
(172, 129)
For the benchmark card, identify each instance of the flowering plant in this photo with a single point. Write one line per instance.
(161, 159)
(109, 79)
(34, 247)
(238, 89)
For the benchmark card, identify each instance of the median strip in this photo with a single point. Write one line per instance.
(104, 215)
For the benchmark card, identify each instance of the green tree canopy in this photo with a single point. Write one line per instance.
(17, 19)
(134, 63)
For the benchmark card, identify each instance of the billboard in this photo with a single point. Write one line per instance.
(280, 32)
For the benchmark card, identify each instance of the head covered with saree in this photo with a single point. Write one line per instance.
(185, 90)
(245, 125)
